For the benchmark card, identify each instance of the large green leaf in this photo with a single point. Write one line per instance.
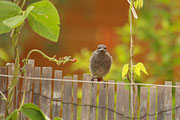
(12, 116)
(44, 20)
(140, 67)
(125, 70)
(7, 10)
(32, 112)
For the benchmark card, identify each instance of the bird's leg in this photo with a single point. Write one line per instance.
(104, 81)
(92, 80)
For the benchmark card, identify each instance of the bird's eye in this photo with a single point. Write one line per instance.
(99, 47)
(105, 48)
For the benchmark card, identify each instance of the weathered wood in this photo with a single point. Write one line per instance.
(120, 102)
(10, 69)
(3, 85)
(67, 98)
(102, 102)
(27, 87)
(32, 62)
(143, 104)
(152, 103)
(93, 101)
(111, 100)
(45, 99)
(177, 96)
(75, 88)
(126, 105)
(85, 97)
(160, 103)
(168, 101)
(57, 94)
(37, 74)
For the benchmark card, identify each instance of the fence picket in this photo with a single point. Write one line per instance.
(37, 74)
(10, 69)
(126, 104)
(111, 100)
(120, 102)
(67, 98)
(160, 103)
(3, 87)
(177, 96)
(93, 101)
(57, 94)
(45, 101)
(85, 97)
(152, 103)
(75, 88)
(102, 102)
(143, 103)
(168, 101)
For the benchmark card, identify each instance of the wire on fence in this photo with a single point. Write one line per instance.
(94, 82)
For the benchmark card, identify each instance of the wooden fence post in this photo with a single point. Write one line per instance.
(143, 103)
(67, 98)
(152, 103)
(120, 102)
(102, 102)
(37, 74)
(126, 105)
(75, 88)
(45, 101)
(160, 103)
(177, 96)
(3, 89)
(111, 100)
(10, 69)
(85, 98)
(93, 101)
(57, 94)
(168, 101)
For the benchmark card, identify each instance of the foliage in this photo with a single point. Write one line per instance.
(43, 19)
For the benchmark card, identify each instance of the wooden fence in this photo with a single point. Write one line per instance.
(97, 102)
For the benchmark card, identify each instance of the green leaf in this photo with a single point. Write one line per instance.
(14, 22)
(7, 10)
(32, 112)
(44, 20)
(137, 71)
(125, 70)
(12, 116)
(57, 118)
(138, 4)
(17, 20)
(140, 67)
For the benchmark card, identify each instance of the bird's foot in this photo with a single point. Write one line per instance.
(92, 80)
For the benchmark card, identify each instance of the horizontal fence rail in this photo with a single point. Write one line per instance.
(73, 99)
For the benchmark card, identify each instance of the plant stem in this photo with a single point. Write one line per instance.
(131, 57)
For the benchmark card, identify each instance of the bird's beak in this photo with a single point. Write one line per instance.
(102, 49)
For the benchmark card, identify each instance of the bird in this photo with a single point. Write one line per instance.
(100, 63)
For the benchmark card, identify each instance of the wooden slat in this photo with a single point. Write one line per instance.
(45, 101)
(57, 94)
(10, 69)
(32, 62)
(75, 88)
(102, 102)
(152, 103)
(111, 100)
(67, 98)
(168, 101)
(126, 105)
(143, 104)
(3, 85)
(27, 87)
(120, 102)
(93, 101)
(85, 97)
(37, 74)
(160, 103)
(177, 96)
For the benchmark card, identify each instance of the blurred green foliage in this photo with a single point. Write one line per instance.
(157, 44)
